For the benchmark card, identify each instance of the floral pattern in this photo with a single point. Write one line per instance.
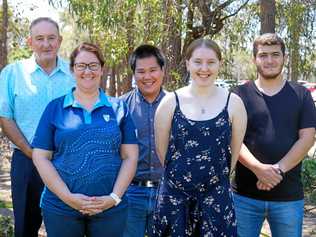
(194, 196)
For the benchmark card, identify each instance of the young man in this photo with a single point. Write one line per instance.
(147, 63)
(280, 131)
(26, 87)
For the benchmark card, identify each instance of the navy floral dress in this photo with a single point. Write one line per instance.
(194, 196)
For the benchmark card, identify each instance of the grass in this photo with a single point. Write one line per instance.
(4, 204)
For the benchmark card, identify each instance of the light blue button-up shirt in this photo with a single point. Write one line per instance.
(26, 89)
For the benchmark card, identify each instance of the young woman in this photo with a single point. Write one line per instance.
(199, 132)
(85, 150)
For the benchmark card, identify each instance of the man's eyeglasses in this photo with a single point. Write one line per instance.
(84, 66)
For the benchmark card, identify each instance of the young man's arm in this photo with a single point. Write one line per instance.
(295, 154)
(268, 174)
(298, 150)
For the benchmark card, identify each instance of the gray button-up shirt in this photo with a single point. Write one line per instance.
(143, 113)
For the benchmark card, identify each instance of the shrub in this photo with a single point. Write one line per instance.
(6, 226)
(309, 178)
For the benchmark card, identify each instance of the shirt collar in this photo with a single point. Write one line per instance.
(69, 100)
(61, 65)
(158, 98)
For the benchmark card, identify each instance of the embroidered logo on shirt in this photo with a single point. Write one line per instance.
(106, 117)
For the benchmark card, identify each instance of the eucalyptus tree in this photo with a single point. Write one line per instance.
(119, 26)
(297, 23)
(13, 31)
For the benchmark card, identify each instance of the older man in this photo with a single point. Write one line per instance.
(26, 87)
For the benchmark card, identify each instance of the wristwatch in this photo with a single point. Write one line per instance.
(281, 172)
(115, 198)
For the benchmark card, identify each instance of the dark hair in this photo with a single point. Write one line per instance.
(268, 39)
(146, 51)
(88, 47)
(41, 19)
(207, 43)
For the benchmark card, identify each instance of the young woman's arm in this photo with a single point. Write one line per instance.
(163, 120)
(238, 116)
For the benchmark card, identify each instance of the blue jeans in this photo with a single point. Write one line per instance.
(109, 224)
(141, 204)
(284, 218)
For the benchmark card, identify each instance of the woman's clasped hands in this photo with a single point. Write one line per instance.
(88, 205)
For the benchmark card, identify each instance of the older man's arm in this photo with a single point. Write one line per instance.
(11, 130)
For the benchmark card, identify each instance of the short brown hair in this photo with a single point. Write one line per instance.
(268, 39)
(88, 47)
(207, 43)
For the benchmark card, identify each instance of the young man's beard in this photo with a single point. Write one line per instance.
(269, 76)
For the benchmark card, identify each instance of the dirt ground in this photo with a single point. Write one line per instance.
(309, 227)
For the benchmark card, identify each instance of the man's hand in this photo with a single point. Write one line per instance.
(268, 176)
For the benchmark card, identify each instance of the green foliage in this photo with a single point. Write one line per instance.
(6, 226)
(19, 53)
(176, 83)
(236, 40)
(297, 22)
(17, 34)
(5, 204)
(119, 26)
(309, 178)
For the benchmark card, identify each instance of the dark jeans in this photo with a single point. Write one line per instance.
(27, 187)
(110, 224)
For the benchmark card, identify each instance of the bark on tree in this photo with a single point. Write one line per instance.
(295, 30)
(127, 81)
(171, 45)
(4, 37)
(104, 80)
(112, 83)
(267, 16)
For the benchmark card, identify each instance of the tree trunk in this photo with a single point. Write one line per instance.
(171, 45)
(104, 79)
(267, 16)
(112, 86)
(127, 81)
(187, 41)
(4, 37)
(295, 29)
(119, 80)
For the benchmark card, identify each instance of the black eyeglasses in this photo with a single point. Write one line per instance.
(84, 66)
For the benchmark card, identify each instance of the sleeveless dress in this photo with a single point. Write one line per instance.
(194, 197)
